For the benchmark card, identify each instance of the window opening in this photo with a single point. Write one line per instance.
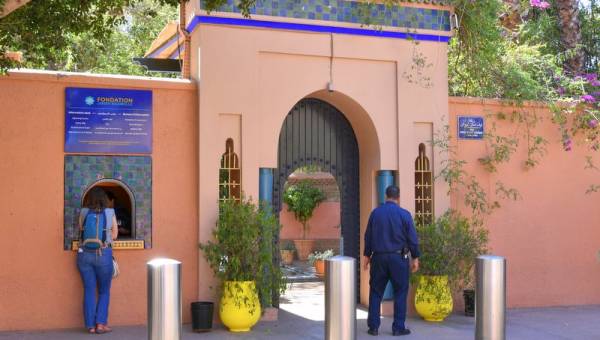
(230, 184)
(121, 200)
(423, 189)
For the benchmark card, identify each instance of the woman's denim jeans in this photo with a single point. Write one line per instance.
(96, 272)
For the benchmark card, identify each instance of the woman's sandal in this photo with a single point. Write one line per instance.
(91, 330)
(101, 329)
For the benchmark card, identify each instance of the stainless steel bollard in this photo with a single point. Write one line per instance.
(164, 299)
(490, 297)
(340, 298)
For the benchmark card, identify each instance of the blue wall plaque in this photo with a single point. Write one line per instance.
(108, 120)
(470, 127)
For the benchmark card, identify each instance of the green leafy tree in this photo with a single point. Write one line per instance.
(590, 33)
(45, 31)
(143, 22)
(302, 199)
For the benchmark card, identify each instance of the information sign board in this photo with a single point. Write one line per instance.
(108, 120)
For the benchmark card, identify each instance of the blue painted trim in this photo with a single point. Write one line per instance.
(192, 25)
(385, 178)
(164, 46)
(205, 19)
(265, 180)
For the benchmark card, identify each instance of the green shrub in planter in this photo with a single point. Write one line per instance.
(449, 247)
(287, 245)
(242, 249)
(317, 255)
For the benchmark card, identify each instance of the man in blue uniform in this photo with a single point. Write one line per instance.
(389, 238)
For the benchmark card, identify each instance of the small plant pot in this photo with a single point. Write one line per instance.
(320, 268)
(202, 316)
(287, 256)
(469, 295)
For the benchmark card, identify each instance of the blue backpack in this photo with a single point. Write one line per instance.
(93, 233)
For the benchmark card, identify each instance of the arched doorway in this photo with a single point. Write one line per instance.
(315, 133)
(123, 203)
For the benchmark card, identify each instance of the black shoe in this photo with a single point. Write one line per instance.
(404, 331)
(373, 332)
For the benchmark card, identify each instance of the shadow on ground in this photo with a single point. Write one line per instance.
(301, 316)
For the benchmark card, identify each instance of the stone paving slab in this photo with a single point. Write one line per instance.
(302, 313)
(559, 323)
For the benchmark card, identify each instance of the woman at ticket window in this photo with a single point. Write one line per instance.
(96, 265)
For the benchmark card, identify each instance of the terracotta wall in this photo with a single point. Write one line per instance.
(40, 287)
(324, 224)
(550, 238)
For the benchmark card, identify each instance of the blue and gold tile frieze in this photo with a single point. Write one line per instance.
(341, 11)
(135, 172)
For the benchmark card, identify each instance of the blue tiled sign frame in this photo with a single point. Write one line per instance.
(135, 172)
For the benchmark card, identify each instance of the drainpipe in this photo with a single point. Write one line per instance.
(185, 68)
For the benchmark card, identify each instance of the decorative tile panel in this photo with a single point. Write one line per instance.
(341, 11)
(134, 172)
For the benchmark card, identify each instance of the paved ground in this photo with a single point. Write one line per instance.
(301, 317)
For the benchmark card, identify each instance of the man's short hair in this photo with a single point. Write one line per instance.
(392, 192)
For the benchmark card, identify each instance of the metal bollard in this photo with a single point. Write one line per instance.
(490, 297)
(340, 298)
(164, 299)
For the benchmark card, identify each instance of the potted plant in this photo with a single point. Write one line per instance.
(242, 260)
(469, 296)
(302, 198)
(287, 252)
(449, 247)
(317, 259)
(202, 316)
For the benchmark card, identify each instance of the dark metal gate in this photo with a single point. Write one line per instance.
(316, 133)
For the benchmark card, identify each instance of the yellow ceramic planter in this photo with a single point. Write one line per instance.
(433, 299)
(240, 307)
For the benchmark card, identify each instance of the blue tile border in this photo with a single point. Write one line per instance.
(344, 11)
(208, 19)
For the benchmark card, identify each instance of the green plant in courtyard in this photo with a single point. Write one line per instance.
(239, 251)
(287, 245)
(318, 255)
(302, 198)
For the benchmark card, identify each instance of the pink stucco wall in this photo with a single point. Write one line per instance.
(260, 74)
(550, 238)
(324, 224)
(40, 287)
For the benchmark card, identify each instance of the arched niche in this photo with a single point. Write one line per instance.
(124, 205)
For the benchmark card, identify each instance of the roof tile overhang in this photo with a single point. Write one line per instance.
(168, 44)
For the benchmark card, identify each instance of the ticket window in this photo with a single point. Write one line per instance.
(121, 200)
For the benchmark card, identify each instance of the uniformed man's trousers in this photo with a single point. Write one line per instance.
(388, 267)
